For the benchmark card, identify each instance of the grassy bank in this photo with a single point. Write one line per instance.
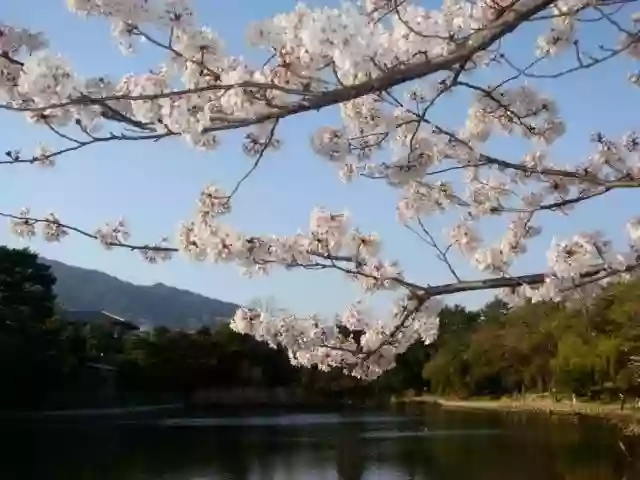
(628, 419)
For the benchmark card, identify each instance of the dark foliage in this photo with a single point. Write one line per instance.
(26, 302)
(495, 351)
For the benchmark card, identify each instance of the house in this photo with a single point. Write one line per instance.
(118, 325)
(101, 370)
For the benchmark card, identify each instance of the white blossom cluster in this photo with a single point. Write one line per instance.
(356, 343)
(383, 64)
(329, 243)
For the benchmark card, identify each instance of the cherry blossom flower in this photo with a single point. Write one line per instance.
(384, 69)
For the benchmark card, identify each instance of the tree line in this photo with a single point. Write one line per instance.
(46, 360)
(586, 350)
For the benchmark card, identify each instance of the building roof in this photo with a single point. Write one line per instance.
(102, 366)
(99, 316)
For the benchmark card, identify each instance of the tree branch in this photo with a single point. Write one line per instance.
(491, 283)
(477, 42)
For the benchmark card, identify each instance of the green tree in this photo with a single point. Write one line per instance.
(27, 298)
(27, 347)
(573, 365)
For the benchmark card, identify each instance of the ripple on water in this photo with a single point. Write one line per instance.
(279, 420)
(392, 434)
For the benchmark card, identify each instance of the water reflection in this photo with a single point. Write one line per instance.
(284, 420)
(346, 446)
(391, 434)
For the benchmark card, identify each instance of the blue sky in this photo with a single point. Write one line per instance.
(155, 186)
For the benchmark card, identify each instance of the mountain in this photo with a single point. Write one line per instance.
(147, 305)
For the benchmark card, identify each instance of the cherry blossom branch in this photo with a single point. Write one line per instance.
(429, 291)
(47, 156)
(388, 66)
(10, 59)
(482, 159)
(431, 242)
(85, 100)
(479, 41)
(581, 65)
(593, 275)
(262, 150)
(129, 246)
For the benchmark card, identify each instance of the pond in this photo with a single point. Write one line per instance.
(427, 444)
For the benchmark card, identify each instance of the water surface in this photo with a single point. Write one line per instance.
(424, 444)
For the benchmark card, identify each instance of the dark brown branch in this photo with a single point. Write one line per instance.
(84, 233)
(597, 273)
(256, 163)
(79, 144)
(533, 279)
(585, 66)
(477, 42)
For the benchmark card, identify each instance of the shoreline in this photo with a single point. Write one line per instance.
(628, 420)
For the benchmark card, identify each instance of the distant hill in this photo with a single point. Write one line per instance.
(146, 305)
